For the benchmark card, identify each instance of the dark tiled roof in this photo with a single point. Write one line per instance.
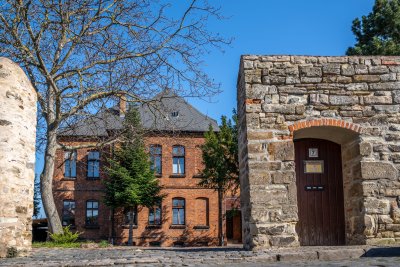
(166, 112)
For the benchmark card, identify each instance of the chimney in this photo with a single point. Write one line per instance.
(122, 105)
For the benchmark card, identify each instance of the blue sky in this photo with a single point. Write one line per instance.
(298, 27)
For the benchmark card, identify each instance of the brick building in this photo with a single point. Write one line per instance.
(188, 215)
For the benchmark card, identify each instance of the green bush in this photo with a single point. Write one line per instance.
(104, 244)
(66, 237)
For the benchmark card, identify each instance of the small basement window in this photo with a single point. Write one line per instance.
(155, 244)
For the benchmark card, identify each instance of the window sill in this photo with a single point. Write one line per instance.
(92, 178)
(198, 176)
(153, 226)
(92, 226)
(177, 176)
(201, 227)
(68, 179)
(158, 175)
(177, 227)
(126, 226)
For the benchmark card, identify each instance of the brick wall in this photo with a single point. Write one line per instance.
(197, 199)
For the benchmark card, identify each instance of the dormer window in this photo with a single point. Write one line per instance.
(174, 114)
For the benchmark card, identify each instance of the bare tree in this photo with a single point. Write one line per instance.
(80, 53)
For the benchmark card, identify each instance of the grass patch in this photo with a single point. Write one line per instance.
(52, 244)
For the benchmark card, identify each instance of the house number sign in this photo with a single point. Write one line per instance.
(313, 152)
(313, 166)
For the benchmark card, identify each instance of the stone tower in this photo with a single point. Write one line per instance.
(319, 144)
(17, 159)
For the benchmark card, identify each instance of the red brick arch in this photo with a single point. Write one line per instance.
(324, 122)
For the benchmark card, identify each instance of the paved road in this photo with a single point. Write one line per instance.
(123, 256)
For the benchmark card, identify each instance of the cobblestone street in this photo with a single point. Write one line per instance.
(232, 256)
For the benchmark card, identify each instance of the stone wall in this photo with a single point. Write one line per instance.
(17, 159)
(353, 101)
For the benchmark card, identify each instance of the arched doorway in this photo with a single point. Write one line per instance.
(320, 196)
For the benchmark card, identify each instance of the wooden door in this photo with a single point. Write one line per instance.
(319, 193)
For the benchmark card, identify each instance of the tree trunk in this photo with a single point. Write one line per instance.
(46, 184)
(112, 227)
(130, 238)
(220, 218)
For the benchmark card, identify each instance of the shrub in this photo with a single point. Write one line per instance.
(66, 237)
(104, 244)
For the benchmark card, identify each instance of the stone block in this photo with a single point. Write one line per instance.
(304, 256)
(340, 100)
(331, 69)
(319, 99)
(340, 254)
(380, 241)
(385, 86)
(385, 219)
(279, 108)
(310, 80)
(393, 227)
(307, 71)
(357, 87)
(248, 64)
(292, 80)
(374, 205)
(361, 69)
(370, 225)
(396, 96)
(271, 229)
(290, 89)
(264, 135)
(377, 99)
(283, 177)
(366, 78)
(378, 69)
(388, 109)
(282, 151)
(260, 178)
(347, 70)
(378, 170)
(284, 241)
(392, 137)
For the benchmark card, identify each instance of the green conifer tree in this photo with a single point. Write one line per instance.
(221, 166)
(379, 32)
(131, 182)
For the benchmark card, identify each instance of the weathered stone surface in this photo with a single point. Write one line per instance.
(281, 151)
(283, 177)
(347, 70)
(378, 170)
(340, 254)
(17, 158)
(310, 71)
(376, 206)
(366, 78)
(365, 149)
(264, 135)
(378, 100)
(331, 69)
(360, 94)
(385, 86)
(343, 100)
